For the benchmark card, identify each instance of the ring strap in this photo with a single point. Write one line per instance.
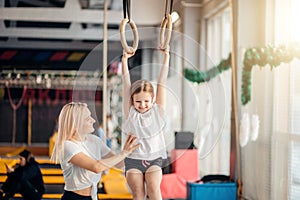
(126, 9)
(166, 8)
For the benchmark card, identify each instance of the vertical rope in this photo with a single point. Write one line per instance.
(166, 8)
(171, 7)
(129, 9)
(104, 64)
(29, 122)
(124, 8)
(15, 108)
(13, 140)
(233, 19)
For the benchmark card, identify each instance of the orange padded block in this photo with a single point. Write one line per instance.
(185, 163)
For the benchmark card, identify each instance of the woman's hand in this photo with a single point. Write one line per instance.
(130, 145)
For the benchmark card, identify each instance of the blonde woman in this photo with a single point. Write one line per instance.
(82, 155)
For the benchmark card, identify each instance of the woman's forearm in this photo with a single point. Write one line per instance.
(116, 160)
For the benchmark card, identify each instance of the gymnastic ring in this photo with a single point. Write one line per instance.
(166, 23)
(135, 35)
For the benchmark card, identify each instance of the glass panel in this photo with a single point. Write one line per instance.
(294, 178)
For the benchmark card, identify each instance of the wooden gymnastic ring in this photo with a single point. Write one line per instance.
(135, 35)
(165, 40)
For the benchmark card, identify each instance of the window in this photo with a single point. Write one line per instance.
(294, 119)
(218, 46)
(285, 138)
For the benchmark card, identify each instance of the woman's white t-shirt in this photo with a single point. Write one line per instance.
(148, 127)
(77, 178)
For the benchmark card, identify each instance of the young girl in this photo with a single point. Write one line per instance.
(145, 118)
(82, 155)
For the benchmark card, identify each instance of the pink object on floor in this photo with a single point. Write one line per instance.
(185, 167)
(173, 186)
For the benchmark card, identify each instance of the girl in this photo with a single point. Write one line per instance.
(82, 155)
(145, 117)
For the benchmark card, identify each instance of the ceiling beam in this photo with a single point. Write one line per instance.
(59, 15)
(80, 34)
(58, 45)
(141, 12)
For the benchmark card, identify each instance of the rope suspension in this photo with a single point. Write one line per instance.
(15, 107)
(127, 9)
(127, 19)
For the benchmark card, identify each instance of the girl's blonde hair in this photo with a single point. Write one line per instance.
(70, 122)
(141, 86)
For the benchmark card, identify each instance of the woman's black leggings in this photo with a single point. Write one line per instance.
(69, 195)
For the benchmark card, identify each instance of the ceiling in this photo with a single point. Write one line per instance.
(58, 35)
(69, 20)
(45, 32)
(38, 37)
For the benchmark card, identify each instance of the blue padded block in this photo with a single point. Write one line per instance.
(211, 191)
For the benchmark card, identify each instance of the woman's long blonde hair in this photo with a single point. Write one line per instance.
(70, 122)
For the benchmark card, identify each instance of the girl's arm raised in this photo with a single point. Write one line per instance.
(162, 79)
(126, 83)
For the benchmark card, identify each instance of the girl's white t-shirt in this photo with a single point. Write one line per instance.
(149, 128)
(77, 178)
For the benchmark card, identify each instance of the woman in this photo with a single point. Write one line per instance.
(82, 155)
(24, 178)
